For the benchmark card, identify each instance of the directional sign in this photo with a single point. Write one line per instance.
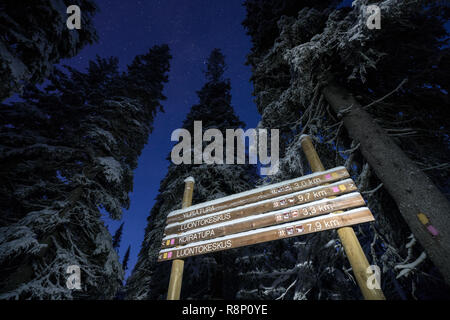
(313, 203)
(292, 229)
(305, 211)
(264, 206)
(258, 194)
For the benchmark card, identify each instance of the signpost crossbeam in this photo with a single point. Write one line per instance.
(258, 194)
(321, 207)
(316, 224)
(297, 198)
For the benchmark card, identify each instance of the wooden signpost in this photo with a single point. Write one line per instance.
(176, 275)
(317, 202)
(352, 247)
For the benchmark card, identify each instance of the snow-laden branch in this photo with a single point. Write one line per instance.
(370, 192)
(442, 166)
(351, 150)
(407, 268)
(409, 246)
(387, 95)
(301, 295)
(284, 293)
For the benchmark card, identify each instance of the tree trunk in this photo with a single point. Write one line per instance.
(411, 189)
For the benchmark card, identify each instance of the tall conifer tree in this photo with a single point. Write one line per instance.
(212, 275)
(66, 153)
(314, 65)
(34, 37)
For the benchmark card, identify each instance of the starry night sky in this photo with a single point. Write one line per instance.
(192, 29)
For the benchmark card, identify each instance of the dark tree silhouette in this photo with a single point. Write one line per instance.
(117, 237)
(25, 60)
(66, 152)
(126, 257)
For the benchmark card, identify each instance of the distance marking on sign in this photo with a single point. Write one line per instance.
(258, 194)
(321, 207)
(297, 198)
(292, 229)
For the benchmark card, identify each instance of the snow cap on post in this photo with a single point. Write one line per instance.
(303, 136)
(189, 179)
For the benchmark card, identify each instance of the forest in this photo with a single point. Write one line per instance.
(78, 126)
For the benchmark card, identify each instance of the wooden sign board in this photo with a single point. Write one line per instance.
(292, 229)
(305, 211)
(297, 198)
(258, 194)
(299, 206)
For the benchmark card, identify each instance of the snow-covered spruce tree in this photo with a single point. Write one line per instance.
(302, 62)
(34, 36)
(211, 275)
(66, 153)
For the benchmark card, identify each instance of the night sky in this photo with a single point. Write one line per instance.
(192, 29)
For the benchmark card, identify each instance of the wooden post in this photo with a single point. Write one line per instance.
(352, 247)
(176, 275)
